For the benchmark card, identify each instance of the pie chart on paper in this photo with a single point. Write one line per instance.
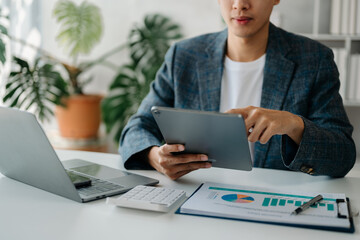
(237, 198)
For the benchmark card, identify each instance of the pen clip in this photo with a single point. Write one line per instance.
(308, 204)
(338, 202)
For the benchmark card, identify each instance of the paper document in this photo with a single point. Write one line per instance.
(267, 205)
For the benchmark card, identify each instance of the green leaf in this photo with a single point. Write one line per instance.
(11, 93)
(148, 45)
(38, 85)
(3, 30)
(2, 51)
(80, 26)
(22, 63)
(30, 104)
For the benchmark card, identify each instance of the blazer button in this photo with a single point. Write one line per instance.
(307, 169)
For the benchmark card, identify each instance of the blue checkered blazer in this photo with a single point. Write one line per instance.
(300, 76)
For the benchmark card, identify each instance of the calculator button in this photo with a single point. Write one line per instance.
(150, 198)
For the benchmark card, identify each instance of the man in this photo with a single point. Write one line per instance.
(285, 86)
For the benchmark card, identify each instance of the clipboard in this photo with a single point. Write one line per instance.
(236, 202)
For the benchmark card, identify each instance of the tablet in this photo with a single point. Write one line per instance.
(222, 137)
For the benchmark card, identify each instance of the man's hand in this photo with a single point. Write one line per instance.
(262, 124)
(175, 166)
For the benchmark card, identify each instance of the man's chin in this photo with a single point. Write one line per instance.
(242, 33)
(246, 32)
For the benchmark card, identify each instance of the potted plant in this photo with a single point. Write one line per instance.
(80, 29)
(148, 44)
(40, 85)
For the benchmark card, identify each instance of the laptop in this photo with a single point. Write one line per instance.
(27, 156)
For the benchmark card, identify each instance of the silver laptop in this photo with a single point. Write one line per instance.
(27, 156)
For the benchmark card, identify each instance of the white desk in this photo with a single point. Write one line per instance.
(29, 213)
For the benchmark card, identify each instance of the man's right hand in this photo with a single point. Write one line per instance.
(175, 166)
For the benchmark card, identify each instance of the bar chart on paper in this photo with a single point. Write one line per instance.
(324, 206)
(267, 202)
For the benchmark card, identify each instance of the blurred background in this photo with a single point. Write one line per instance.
(120, 45)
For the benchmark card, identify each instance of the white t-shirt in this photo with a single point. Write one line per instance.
(241, 85)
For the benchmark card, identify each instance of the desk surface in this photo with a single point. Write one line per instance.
(30, 213)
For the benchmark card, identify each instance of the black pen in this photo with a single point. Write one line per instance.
(307, 204)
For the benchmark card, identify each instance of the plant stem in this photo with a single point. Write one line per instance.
(110, 65)
(42, 51)
(101, 59)
(106, 55)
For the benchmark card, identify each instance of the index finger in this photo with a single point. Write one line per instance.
(241, 111)
(169, 148)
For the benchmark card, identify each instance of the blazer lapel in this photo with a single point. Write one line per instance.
(278, 74)
(209, 71)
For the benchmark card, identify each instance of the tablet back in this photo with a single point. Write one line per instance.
(220, 136)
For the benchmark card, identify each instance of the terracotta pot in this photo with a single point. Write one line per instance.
(81, 117)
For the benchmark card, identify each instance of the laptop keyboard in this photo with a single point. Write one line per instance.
(97, 186)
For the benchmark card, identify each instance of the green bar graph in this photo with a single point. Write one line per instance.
(266, 202)
(330, 207)
(274, 201)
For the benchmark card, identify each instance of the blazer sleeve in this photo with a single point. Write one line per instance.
(141, 131)
(327, 147)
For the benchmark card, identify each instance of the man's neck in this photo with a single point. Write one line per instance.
(247, 49)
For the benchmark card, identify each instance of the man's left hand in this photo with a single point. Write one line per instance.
(262, 124)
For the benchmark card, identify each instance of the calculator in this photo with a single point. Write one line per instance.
(150, 198)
